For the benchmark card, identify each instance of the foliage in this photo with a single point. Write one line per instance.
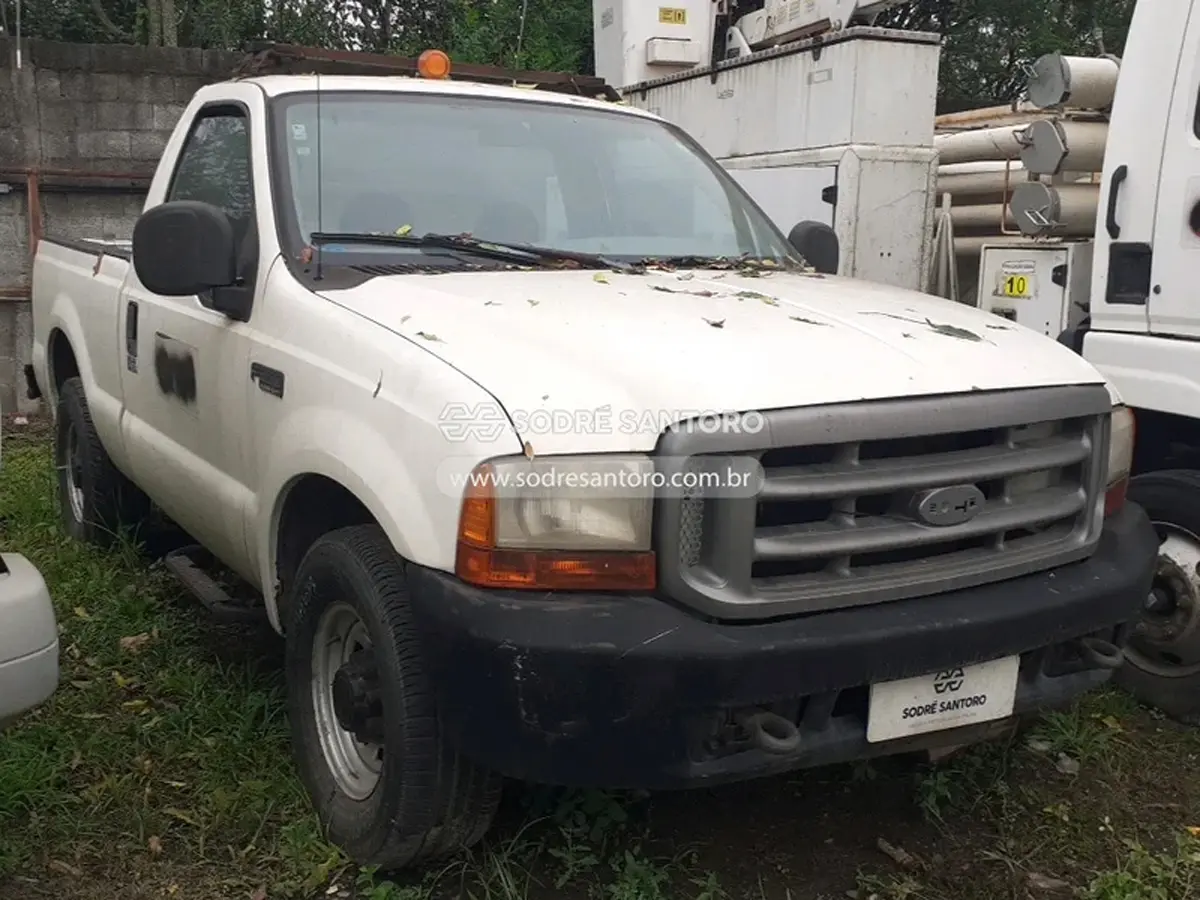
(988, 44)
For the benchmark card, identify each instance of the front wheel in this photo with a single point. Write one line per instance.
(385, 784)
(1162, 658)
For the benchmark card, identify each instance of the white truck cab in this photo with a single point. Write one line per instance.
(1143, 325)
(551, 457)
(28, 637)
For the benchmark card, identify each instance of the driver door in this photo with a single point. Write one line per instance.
(185, 378)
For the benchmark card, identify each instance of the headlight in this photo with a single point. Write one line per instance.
(1120, 459)
(559, 523)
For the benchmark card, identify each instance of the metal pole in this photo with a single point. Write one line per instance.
(18, 34)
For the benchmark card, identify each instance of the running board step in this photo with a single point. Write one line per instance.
(189, 565)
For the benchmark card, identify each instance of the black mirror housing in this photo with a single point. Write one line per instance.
(183, 248)
(817, 243)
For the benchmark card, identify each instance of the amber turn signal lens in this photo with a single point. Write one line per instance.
(555, 570)
(434, 64)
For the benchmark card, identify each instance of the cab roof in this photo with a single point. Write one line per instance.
(279, 85)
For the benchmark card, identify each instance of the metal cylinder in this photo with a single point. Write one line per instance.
(979, 183)
(1066, 209)
(973, 244)
(981, 216)
(1084, 82)
(982, 144)
(1053, 146)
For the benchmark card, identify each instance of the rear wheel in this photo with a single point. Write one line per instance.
(1162, 658)
(95, 500)
(385, 784)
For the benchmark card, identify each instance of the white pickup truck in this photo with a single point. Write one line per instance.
(551, 460)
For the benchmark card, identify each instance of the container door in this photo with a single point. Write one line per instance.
(1174, 297)
(792, 194)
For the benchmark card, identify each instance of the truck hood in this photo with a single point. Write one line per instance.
(665, 345)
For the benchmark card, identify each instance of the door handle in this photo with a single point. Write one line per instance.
(131, 336)
(1114, 191)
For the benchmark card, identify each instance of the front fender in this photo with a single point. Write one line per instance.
(388, 477)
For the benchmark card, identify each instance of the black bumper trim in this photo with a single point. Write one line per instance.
(612, 691)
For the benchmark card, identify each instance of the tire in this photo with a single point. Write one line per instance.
(96, 502)
(428, 801)
(1162, 659)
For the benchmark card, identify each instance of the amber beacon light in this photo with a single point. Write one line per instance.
(434, 64)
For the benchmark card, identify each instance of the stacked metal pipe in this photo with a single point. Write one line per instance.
(1015, 173)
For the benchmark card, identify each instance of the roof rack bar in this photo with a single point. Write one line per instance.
(265, 57)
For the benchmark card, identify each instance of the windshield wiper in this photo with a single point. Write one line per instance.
(521, 254)
(765, 263)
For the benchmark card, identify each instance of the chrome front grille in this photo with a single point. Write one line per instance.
(839, 518)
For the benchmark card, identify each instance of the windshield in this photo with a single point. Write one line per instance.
(551, 175)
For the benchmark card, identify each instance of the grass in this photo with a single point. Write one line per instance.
(161, 769)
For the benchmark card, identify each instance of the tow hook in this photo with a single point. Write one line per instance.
(1100, 653)
(771, 732)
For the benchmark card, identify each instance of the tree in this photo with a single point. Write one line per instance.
(987, 44)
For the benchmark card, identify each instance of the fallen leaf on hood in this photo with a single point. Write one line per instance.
(529, 450)
(716, 323)
(953, 331)
(404, 319)
(430, 337)
(599, 278)
(403, 230)
(533, 302)
(492, 303)
(135, 643)
(770, 301)
(808, 321)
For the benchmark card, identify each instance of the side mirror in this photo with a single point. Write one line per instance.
(818, 245)
(183, 248)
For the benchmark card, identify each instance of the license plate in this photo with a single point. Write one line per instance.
(940, 700)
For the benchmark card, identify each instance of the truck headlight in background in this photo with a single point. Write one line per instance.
(1120, 459)
(559, 523)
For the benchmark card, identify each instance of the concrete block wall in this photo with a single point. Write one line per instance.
(88, 109)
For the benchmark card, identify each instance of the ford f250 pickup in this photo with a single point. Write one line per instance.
(551, 457)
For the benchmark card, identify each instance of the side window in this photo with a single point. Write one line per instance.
(214, 167)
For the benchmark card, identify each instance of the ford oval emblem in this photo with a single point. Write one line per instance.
(946, 506)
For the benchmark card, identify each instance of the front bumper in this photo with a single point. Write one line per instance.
(28, 638)
(623, 691)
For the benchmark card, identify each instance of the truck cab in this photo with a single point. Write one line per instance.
(1144, 322)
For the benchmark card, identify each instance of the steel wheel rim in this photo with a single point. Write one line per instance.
(72, 468)
(356, 766)
(1147, 648)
